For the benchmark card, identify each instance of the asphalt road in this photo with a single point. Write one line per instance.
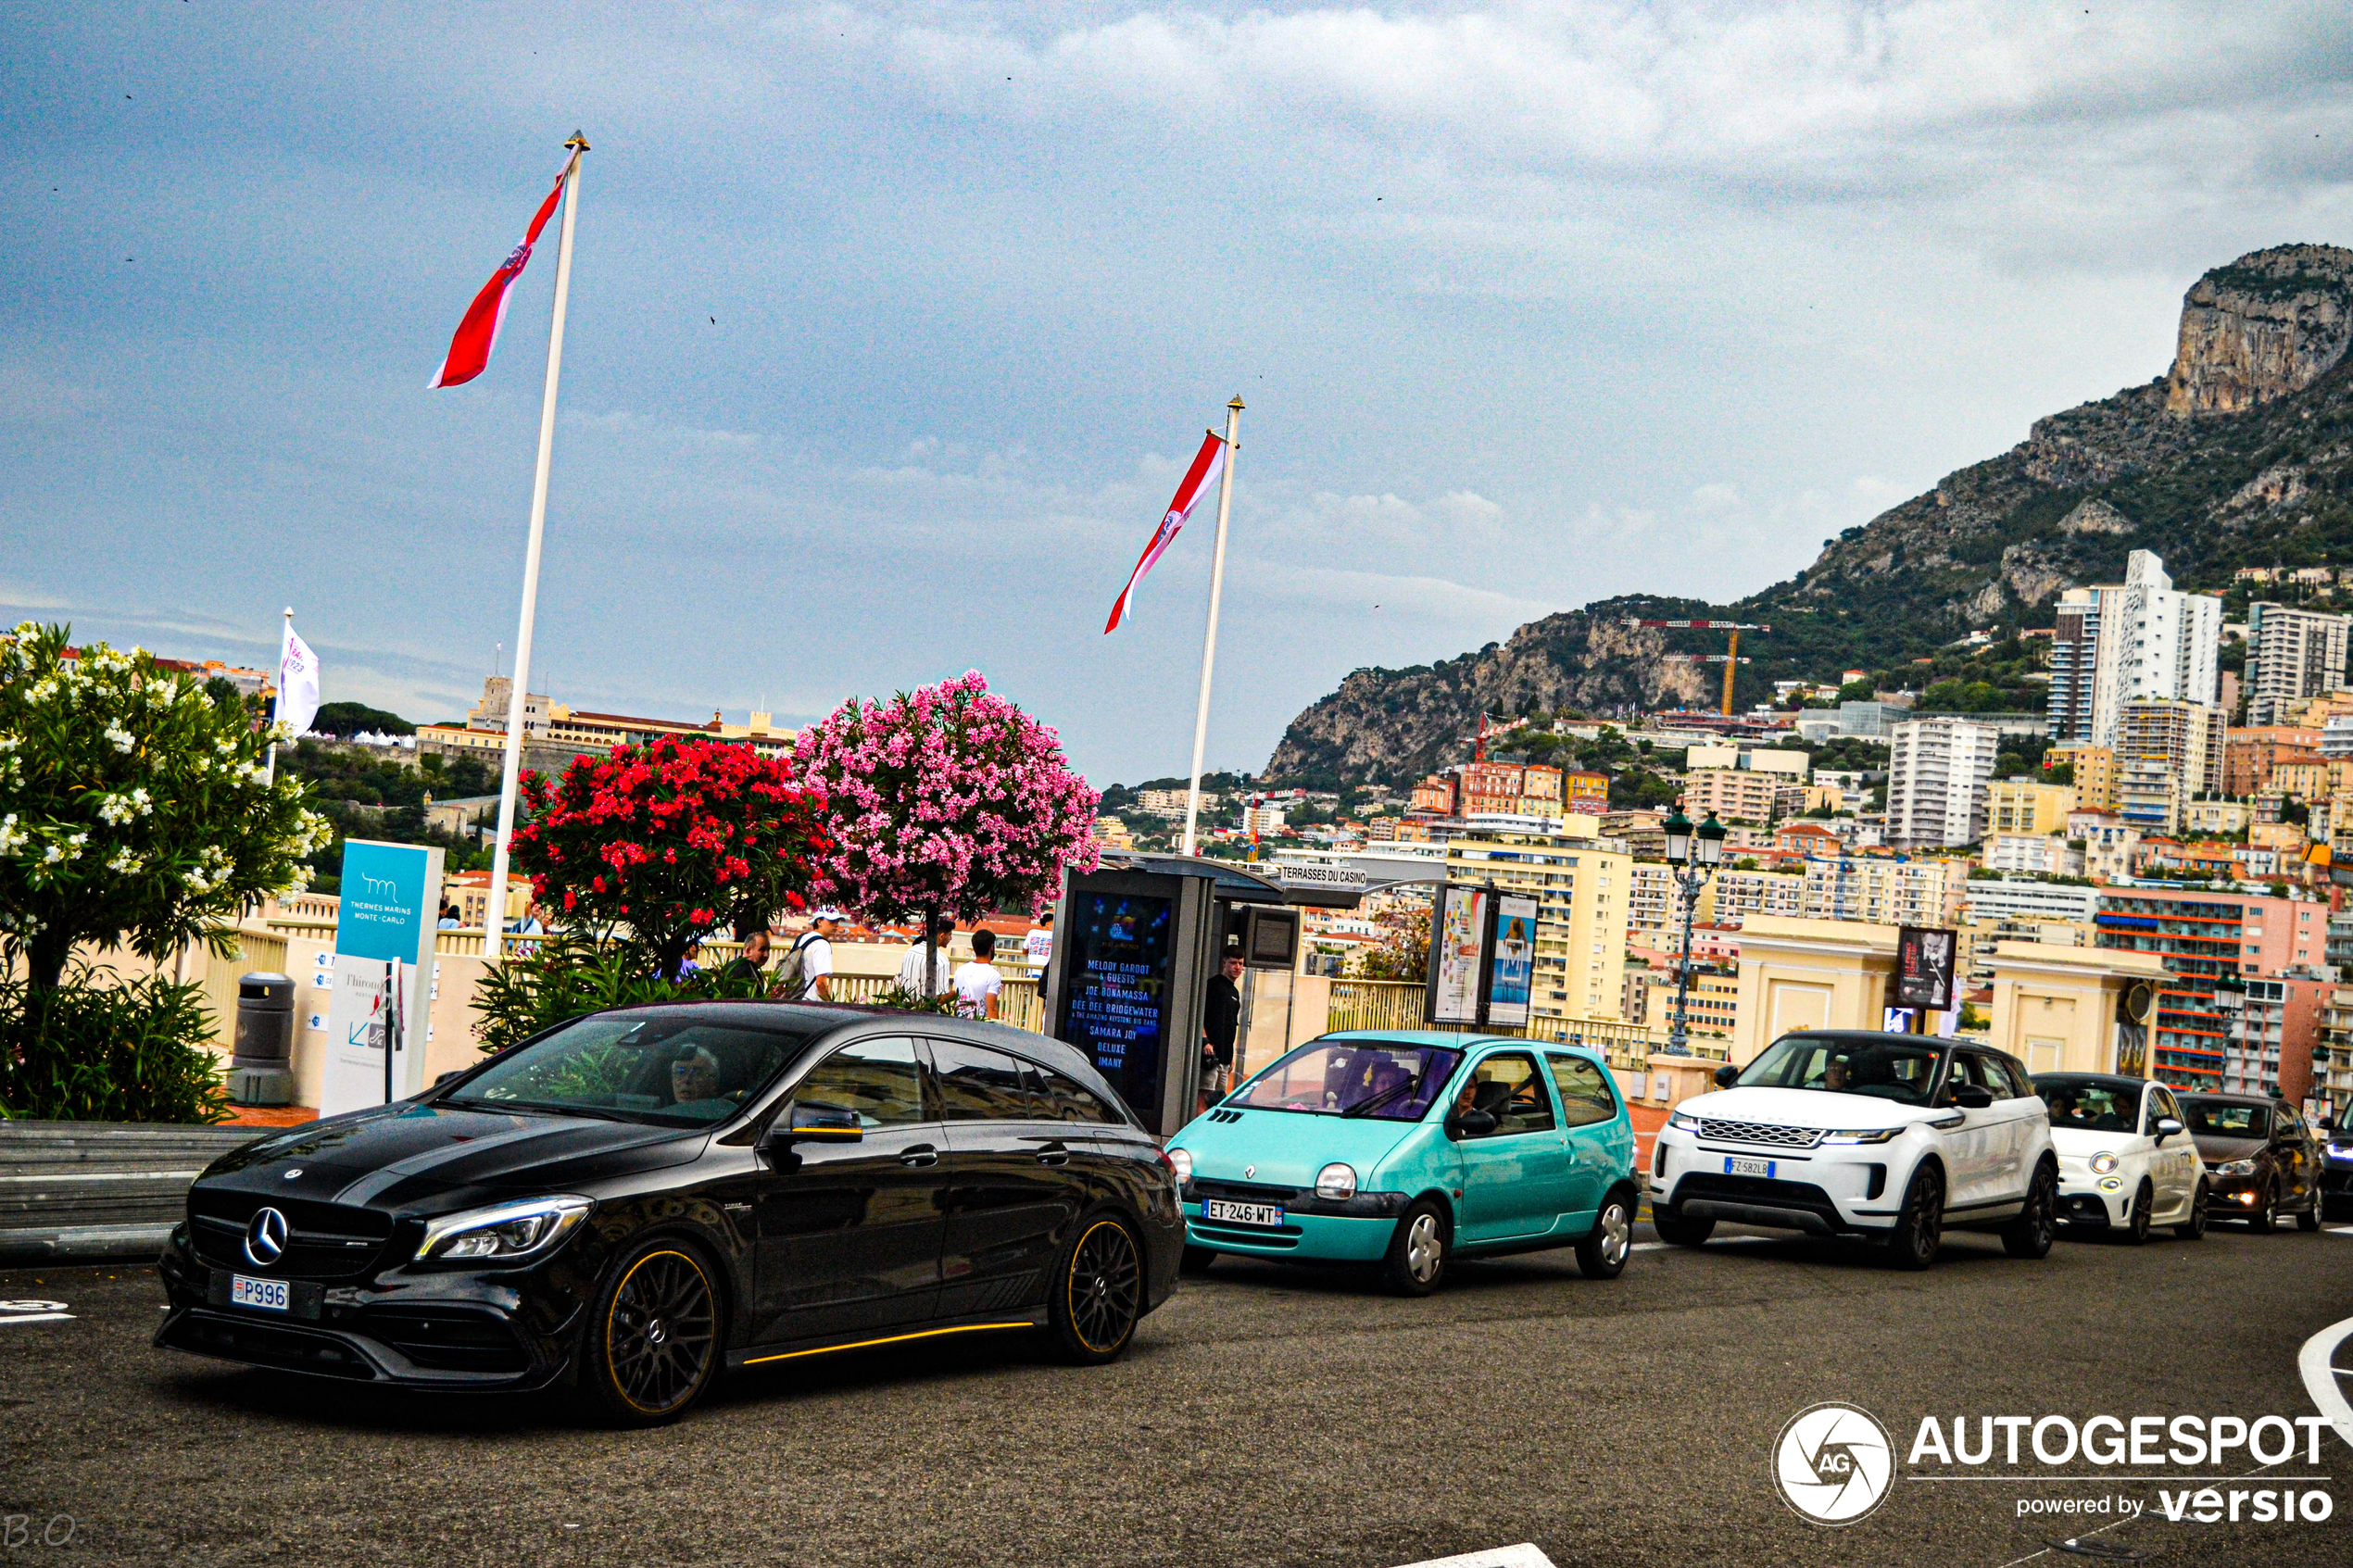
(1267, 1416)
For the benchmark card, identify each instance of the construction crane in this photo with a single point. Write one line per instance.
(1729, 658)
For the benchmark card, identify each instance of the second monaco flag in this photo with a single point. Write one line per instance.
(1198, 482)
(477, 335)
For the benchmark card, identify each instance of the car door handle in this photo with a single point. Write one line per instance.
(919, 1155)
(1053, 1154)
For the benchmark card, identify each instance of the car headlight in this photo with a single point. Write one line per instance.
(1875, 1135)
(2236, 1168)
(506, 1233)
(2103, 1163)
(1336, 1181)
(1181, 1162)
(1689, 1124)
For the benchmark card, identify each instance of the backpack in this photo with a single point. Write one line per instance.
(792, 973)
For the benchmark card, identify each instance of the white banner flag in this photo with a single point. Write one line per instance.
(297, 683)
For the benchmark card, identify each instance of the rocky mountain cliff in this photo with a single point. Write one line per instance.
(2240, 453)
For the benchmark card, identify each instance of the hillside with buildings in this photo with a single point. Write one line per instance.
(2237, 460)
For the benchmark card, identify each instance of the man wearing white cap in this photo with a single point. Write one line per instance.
(807, 972)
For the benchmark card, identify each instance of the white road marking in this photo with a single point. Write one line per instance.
(8, 1318)
(2314, 1361)
(1523, 1555)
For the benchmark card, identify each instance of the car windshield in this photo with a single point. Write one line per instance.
(2092, 1105)
(2225, 1119)
(1384, 1079)
(667, 1070)
(1846, 1064)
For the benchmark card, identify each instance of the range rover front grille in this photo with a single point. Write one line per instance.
(1761, 1132)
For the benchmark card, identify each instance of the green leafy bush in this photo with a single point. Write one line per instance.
(571, 974)
(98, 1049)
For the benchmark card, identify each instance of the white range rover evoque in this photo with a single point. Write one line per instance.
(1896, 1138)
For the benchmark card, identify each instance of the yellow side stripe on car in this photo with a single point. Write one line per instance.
(892, 1339)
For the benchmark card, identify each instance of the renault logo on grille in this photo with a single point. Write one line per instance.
(266, 1238)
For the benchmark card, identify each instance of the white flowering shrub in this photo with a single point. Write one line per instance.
(134, 811)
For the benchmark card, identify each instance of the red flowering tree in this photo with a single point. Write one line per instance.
(947, 801)
(677, 840)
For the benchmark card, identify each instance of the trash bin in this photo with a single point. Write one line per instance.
(262, 1059)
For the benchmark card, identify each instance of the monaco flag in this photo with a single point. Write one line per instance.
(478, 333)
(1198, 482)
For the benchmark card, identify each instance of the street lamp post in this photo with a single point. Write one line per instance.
(1695, 853)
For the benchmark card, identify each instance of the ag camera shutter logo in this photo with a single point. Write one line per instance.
(1833, 1464)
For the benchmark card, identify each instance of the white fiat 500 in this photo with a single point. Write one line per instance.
(2126, 1159)
(1896, 1138)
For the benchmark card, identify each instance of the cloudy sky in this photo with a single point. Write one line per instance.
(893, 326)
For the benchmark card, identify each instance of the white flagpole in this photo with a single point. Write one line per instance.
(494, 917)
(1216, 588)
(278, 704)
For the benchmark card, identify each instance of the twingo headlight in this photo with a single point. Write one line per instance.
(1873, 1135)
(508, 1233)
(1336, 1181)
(1683, 1120)
(1181, 1162)
(2103, 1163)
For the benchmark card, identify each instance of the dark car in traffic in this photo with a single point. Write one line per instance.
(2262, 1161)
(636, 1201)
(2337, 1165)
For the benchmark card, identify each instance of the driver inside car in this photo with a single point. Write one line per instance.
(694, 1085)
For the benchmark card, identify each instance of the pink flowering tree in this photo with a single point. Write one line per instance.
(947, 802)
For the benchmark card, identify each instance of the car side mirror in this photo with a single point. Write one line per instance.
(453, 1073)
(1972, 1097)
(810, 1124)
(1727, 1076)
(1470, 1123)
(2165, 1128)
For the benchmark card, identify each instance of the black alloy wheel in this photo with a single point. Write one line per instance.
(2136, 1228)
(1101, 1295)
(653, 1342)
(1603, 1254)
(2030, 1235)
(2193, 1228)
(1919, 1227)
(2265, 1216)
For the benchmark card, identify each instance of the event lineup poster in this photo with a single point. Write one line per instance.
(386, 914)
(1118, 1012)
(1508, 993)
(1459, 948)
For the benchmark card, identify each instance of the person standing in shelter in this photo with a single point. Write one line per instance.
(1220, 1017)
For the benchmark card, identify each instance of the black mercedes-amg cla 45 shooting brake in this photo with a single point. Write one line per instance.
(636, 1201)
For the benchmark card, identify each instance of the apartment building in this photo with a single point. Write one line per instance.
(1583, 894)
(2031, 854)
(1734, 795)
(2291, 654)
(1885, 891)
(2153, 642)
(2204, 939)
(554, 733)
(2270, 1028)
(2249, 754)
(1937, 774)
(1711, 1006)
(1732, 896)
(2027, 806)
(2074, 655)
(1584, 794)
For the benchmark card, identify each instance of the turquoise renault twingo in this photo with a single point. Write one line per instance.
(1408, 1149)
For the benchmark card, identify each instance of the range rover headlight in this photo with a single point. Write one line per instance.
(1874, 1134)
(2103, 1163)
(1682, 1120)
(507, 1233)
(1181, 1162)
(2236, 1168)
(1336, 1181)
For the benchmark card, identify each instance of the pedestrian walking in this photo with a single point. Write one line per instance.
(978, 985)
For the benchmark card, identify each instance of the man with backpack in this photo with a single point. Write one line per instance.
(806, 973)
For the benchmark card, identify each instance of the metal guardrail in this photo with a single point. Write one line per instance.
(99, 1189)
